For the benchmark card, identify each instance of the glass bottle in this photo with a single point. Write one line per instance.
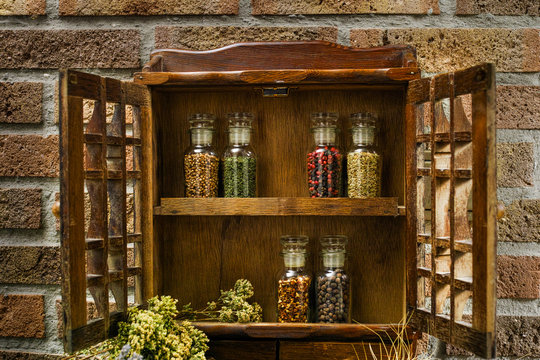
(332, 288)
(324, 162)
(364, 163)
(201, 162)
(294, 283)
(239, 160)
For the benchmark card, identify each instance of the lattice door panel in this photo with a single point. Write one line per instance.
(451, 207)
(102, 209)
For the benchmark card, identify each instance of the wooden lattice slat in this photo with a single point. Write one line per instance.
(462, 244)
(94, 169)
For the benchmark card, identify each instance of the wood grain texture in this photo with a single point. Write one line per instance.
(279, 77)
(281, 133)
(484, 209)
(466, 81)
(312, 331)
(278, 207)
(464, 335)
(284, 55)
(93, 159)
(462, 158)
(240, 350)
(411, 199)
(218, 249)
(147, 203)
(294, 350)
(71, 208)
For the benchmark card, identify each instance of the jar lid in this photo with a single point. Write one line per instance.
(294, 244)
(240, 119)
(363, 119)
(324, 119)
(202, 121)
(333, 243)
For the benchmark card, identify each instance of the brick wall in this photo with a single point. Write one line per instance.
(115, 37)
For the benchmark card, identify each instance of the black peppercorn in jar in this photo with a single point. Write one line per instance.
(295, 283)
(201, 162)
(324, 162)
(239, 160)
(332, 288)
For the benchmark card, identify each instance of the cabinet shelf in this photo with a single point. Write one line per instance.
(308, 331)
(279, 206)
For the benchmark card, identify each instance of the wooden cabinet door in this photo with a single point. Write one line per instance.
(105, 210)
(451, 207)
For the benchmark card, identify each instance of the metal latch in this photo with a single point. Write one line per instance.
(275, 92)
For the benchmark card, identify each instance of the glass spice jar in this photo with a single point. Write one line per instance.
(332, 287)
(239, 160)
(324, 162)
(201, 162)
(294, 284)
(364, 163)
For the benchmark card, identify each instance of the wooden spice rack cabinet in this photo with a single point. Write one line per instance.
(425, 250)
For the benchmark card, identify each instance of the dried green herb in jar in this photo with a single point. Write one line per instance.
(239, 159)
(363, 171)
(363, 160)
(239, 176)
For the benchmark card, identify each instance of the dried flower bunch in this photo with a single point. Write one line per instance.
(231, 306)
(154, 334)
(157, 334)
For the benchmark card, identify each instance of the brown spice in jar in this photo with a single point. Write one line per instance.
(201, 171)
(293, 299)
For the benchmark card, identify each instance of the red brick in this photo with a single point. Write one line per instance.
(521, 221)
(423, 344)
(147, 7)
(518, 107)
(20, 102)
(29, 265)
(455, 351)
(438, 50)
(45, 49)
(518, 277)
(29, 155)
(498, 7)
(22, 7)
(211, 37)
(284, 7)
(367, 38)
(18, 355)
(515, 164)
(22, 316)
(518, 336)
(20, 208)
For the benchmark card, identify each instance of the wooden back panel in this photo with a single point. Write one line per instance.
(281, 56)
(201, 255)
(451, 207)
(101, 167)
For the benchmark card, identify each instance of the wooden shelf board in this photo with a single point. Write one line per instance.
(279, 207)
(311, 331)
(278, 77)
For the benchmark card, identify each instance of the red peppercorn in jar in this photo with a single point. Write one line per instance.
(324, 162)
